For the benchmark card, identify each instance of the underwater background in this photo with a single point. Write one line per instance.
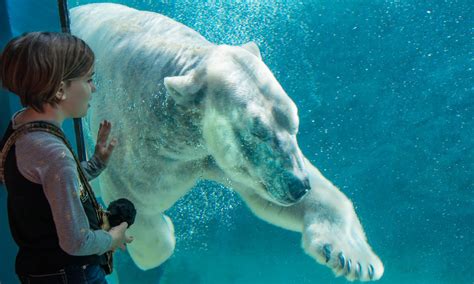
(385, 93)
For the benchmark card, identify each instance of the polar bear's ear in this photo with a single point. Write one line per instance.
(252, 48)
(183, 89)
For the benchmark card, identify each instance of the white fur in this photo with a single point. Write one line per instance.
(182, 108)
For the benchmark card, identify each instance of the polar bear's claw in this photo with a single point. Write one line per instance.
(371, 271)
(349, 265)
(327, 252)
(342, 260)
(358, 270)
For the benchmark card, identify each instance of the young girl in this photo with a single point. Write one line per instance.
(53, 214)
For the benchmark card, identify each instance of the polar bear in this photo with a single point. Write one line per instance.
(185, 109)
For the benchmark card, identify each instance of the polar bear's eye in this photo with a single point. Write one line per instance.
(283, 120)
(259, 130)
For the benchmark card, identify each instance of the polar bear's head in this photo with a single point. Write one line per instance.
(249, 122)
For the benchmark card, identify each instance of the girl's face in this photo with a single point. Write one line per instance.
(77, 95)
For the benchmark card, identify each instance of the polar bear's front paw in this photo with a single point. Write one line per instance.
(344, 249)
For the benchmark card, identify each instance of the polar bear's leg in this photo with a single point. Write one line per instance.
(333, 235)
(331, 231)
(154, 240)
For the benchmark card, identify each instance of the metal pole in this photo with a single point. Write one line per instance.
(64, 16)
(65, 28)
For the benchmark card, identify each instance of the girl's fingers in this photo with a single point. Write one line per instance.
(112, 145)
(104, 132)
(122, 247)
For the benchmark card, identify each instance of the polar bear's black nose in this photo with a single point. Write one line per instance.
(298, 188)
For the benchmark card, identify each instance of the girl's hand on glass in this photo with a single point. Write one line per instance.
(104, 149)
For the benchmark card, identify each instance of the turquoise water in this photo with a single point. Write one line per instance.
(386, 103)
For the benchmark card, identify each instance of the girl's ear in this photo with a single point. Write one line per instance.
(60, 94)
